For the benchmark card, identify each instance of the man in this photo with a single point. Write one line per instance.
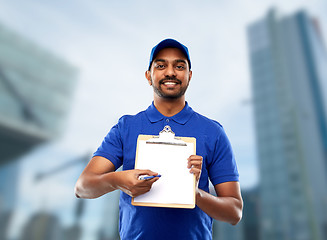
(169, 74)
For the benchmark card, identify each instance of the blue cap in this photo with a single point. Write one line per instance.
(169, 43)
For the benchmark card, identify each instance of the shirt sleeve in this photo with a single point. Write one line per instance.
(112, 147)
(223, 167)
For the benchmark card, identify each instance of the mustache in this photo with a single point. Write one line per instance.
(170, 79)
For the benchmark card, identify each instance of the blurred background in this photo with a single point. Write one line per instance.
(69, 69)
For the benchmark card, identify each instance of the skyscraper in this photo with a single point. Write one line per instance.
(288, 66)
(35, 95)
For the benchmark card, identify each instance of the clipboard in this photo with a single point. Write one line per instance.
(166, 155)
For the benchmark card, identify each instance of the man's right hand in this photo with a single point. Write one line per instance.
(128, 181)
(99, 177)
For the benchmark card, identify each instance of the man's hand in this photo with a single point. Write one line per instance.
(227, 206)
(99, 177)
(195, 164)
(128, 181)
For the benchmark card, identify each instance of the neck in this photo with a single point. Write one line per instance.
(169, 107)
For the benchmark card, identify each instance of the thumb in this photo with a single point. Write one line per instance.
(147, 172)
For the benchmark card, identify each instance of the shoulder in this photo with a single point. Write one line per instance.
(127, 119)
(207, 124)
(130, 123)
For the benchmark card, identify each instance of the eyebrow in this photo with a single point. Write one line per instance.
(181, 61)
(159, 60)
(163, 60)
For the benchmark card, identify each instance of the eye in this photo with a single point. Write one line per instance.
(160, 66)
(180, 67)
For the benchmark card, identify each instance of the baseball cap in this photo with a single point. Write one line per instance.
(169, 43)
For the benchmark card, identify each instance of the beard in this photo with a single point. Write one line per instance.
(158, 90)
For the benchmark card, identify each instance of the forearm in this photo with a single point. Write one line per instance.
(227, 209)
(95, 185)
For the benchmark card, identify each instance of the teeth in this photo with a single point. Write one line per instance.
(170, 83)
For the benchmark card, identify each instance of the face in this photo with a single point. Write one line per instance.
(169, 74)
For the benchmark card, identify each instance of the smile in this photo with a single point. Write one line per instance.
(170, 83)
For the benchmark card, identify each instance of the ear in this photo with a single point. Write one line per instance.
(190, 76)
(148, 77)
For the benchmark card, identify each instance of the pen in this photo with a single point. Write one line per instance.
(146, 177)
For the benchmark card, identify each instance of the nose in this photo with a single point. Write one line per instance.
(170, 71)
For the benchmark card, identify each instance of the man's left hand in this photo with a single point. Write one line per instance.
(195, 164)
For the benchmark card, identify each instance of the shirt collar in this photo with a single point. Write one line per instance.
(182, 117)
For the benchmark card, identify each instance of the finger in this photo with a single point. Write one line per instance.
(149, 178)
(139, 191)
(153, 180)
(194, 163)
(145, 185)
(195, 159)
(196, 172)
(147, 172)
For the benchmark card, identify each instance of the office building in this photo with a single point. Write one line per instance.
(110, 217)
(248, 227)
(35, 94)
(8, 195)
(250, 219)
(36, 89)
(288, 67)
(226, 231)
(43, 226)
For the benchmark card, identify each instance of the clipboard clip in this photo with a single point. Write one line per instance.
(166, 137)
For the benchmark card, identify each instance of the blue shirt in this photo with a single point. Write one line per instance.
(119, 146)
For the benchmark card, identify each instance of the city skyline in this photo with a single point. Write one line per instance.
(96, 78)
(286, 53)
(99, 38)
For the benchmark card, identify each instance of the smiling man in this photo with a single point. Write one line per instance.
(169, 73)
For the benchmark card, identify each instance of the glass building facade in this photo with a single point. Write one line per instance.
(288, 67)
(35, 94)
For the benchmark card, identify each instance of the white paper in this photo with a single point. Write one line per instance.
(176, 184)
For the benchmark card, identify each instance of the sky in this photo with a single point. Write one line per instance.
(109, 42)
